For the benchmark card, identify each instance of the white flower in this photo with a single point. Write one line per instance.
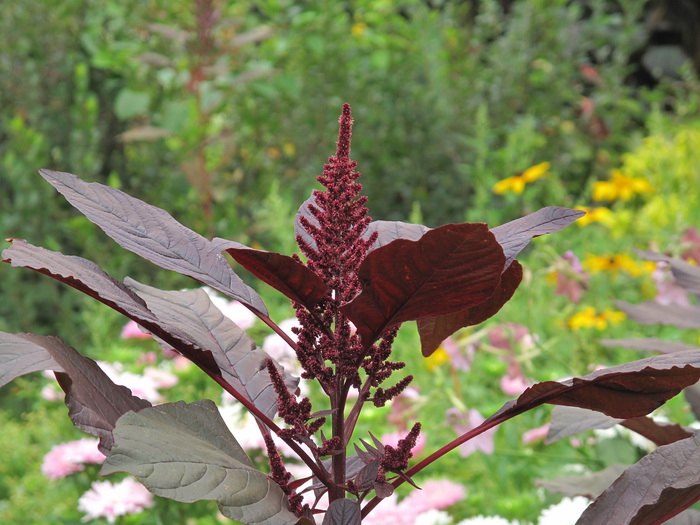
(486, 520)
(566, 512)
(433, 517)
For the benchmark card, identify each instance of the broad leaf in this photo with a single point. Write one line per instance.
(304, 211)
(94, 402)
(515, 235)
(567, 421)
(343, 511)
(283, 273)
(624, 391)
(388, 231)
(687, 275)
(434, 330)
(241, 362)
(153, 234)
(649, 344)
(587, 485)
(658, 487)
(87, 277)
(651, 312)
(448, 269)
(185, 452)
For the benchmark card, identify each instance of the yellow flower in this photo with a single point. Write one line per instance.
(600, 214)
(616, 263)
(437, 358)
(358, 28)
(590, 318)
(517, 183)
(535, 172)
(620, 187)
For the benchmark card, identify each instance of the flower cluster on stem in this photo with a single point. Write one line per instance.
(334, 243)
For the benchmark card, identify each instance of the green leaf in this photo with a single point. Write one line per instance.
(185, 452)
(130, 103)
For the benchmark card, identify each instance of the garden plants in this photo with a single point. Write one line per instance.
(353, 284)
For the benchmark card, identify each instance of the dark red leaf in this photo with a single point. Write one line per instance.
(434, 330)
(658, 433)
(624, 391)
(241, 362)
(283, 273)
(659, 486)
(94, 402)
(652, 312)
(87, 277)
(153, 234)
(448, 269)
(515, 235)
(343, 511)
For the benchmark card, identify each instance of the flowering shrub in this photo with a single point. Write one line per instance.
(353, 284)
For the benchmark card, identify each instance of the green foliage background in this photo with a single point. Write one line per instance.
(225, 117)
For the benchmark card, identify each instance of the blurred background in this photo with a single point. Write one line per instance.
(223, 114)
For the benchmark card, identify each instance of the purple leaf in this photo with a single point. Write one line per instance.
(94, 402)
(652, 312)
(448, 269)
(515, 235)
(241, 362)
(283, 273)
(434, 330)
(87, 277)
(568, 421)
(388, 231)
(303, 211)
(196, 458)
(343, 511)
(153, 234)
(649, 344)
(686, 275)
(624, 391)
(659, 486)
(588, 485)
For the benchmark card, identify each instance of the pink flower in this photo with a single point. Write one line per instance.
(571, 278)
(435, 494)
(691, 244)
(536, 434)
(110, 500)
(459, 359)
(70, 457)
(463, 423)
(132, 330)
(144, 387)
(514, 382)
(668, 291)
